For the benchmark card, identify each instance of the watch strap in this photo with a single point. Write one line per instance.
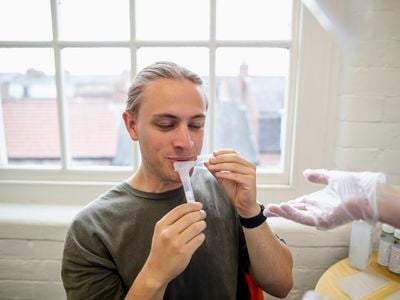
(253, 221)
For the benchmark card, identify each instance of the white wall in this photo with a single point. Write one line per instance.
(31, 246)
(368, 120)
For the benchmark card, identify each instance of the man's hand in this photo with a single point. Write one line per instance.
(176, 237)
(237, 177)
(347, 196)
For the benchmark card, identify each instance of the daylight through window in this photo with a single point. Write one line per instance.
(63, 80)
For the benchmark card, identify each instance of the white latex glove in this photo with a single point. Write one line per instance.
(347, 196)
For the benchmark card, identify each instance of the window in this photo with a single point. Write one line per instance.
(250, 80)
(63, 82)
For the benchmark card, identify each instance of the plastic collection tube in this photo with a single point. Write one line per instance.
(183, 168)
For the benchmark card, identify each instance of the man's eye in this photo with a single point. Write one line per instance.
(196, 126)
(165, 126)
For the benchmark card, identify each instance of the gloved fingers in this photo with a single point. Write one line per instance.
(305, 199)
(315, 199)
(297, 200)
(303, 212)
(317, 175)
(334, 218)
(299, 206)
(322, 218)
(267, 212)
(274, 210)
(305, 217)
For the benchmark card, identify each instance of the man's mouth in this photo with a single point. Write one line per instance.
(187, 158)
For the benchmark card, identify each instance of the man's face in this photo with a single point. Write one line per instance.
(169, 127)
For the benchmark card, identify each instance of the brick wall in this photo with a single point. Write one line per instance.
(313, 252)
(368, 123)
(30, 269)
(31, 252)
(31, 243)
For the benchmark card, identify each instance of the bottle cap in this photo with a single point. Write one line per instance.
(397, 233)
(387, 228)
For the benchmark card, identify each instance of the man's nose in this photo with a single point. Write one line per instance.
(183, 138)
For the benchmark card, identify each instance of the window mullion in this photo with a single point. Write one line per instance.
(61, 103)
(153, 43)
(212, 76)
(25, 44)
(292, 89)
(133, 49)
(3, 146)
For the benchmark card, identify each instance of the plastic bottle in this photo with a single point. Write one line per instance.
(385, 244)
(394, 260)
(361, 243)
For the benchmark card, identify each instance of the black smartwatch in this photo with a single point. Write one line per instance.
(253, 221)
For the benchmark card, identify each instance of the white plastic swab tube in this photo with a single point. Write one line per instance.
(183, 168)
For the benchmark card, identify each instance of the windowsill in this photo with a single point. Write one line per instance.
(35, 221)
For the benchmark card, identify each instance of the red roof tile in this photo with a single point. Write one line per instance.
(32, 128)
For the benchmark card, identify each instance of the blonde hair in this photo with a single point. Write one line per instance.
(158, 70)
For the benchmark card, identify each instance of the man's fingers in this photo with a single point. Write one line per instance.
(225, 151)
(179, 211)
(182, 224)
(191, 232)
(238, 178)
(195, 243)
(230, 156)
(187, 220)
(230, 167)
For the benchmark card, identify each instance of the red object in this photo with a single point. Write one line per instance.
(255, 292)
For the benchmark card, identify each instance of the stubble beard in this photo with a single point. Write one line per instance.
(161, 172)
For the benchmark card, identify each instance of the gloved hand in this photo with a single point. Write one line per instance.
(347, 196)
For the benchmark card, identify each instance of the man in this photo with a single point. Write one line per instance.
(141, 240)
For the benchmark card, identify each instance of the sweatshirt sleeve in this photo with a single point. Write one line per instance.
(88, 271)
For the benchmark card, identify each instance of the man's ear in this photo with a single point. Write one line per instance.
(130, 124)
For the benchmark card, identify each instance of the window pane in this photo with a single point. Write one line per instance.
(94, 20)
(28, 102)
(254, 19)
(172, 20)
(195, 59)
(251, 89)
(96, 85)
(25, 20)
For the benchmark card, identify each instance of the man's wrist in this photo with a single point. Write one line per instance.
(254, 221)
(146, 285)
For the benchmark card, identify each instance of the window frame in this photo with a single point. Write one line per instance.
(306, 56)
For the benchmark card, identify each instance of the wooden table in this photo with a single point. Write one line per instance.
(326, 285)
